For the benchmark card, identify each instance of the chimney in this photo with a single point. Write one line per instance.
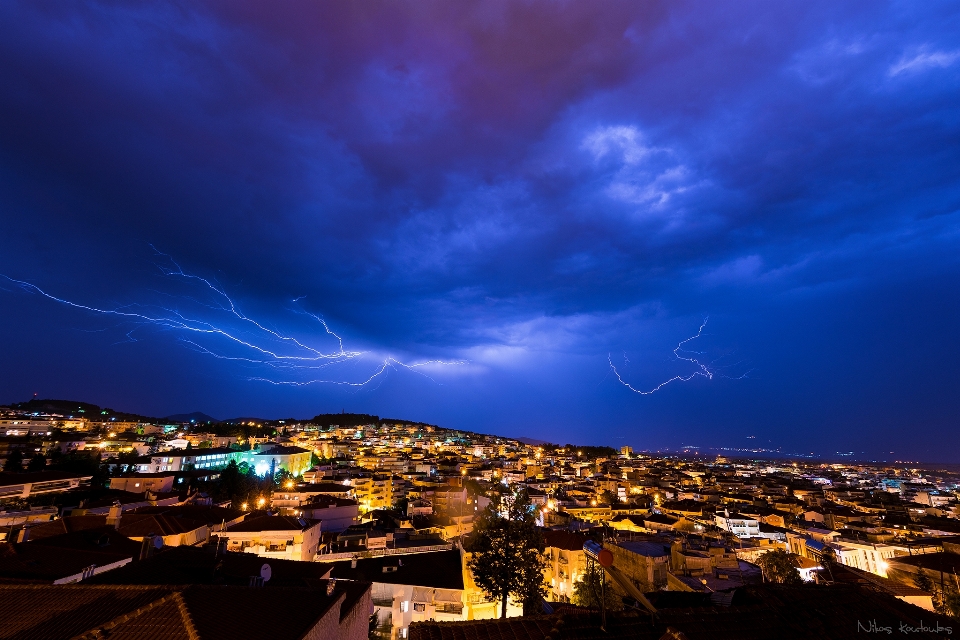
(145, 547)
(113, 516)
(24, 534)
(353, 563)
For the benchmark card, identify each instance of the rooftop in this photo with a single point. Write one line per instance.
(198, 565)
(756, 612)
(436, 569)
(163, 613)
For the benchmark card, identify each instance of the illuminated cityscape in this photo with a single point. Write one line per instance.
(398, 509)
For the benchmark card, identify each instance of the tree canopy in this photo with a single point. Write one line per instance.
(780, 566)
(506, 551)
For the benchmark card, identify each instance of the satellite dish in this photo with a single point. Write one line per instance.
(158, 542)
(266, 572)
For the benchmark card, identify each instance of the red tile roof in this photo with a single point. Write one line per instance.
(45, 612)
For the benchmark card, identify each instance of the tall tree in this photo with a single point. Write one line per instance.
(14, 461)
(922, 580)
(37, 463)
(506, 551)
(779, 566)
(589, 591)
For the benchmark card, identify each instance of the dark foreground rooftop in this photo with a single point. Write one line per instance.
(32, 612)
(759, 612)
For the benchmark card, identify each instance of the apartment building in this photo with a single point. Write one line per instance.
(282, 537)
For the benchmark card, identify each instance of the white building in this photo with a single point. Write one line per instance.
(280, 537)
(183, 459)
(411, 587)
(739, 525)
(864, 555)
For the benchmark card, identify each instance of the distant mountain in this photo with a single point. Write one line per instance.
(78, 409)
(533, 442)
(247, 419)
(344, 419)
(196, 416)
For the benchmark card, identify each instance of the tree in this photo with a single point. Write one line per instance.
(282, 477)
(506, 550)
(589, 590)
(14, 461)
(951, 604)
(922, 580)
(609, 497)
(239, 484)
(779, 566)
(37, 463)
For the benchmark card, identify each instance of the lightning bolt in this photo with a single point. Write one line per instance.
(702, 370)
(259, 344)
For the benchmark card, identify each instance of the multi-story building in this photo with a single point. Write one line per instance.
(738, 524)
(292, 459)
(411, 587)
(863, 555)
(268, 536)
(182, 460)
(565, 563)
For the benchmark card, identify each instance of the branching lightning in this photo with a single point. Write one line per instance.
(253, 342)
(707, 371)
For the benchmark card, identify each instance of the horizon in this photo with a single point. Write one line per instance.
(686, 452)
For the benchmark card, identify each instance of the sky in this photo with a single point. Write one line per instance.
(495, 216)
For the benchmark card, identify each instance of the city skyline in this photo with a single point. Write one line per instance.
(656, 226)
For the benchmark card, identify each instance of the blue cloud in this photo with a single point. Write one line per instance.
(527, 186)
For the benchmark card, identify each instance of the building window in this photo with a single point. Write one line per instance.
(404, 606)
(419, 606)
(403, 632)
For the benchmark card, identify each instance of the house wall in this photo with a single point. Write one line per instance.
(139, 485)
(563, 569)
(403, 604)
(647, 573)
(304, 545)
(354, 626)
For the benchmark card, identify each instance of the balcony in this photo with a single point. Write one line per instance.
(450, 607)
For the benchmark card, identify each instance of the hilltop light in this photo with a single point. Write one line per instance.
(261, 502)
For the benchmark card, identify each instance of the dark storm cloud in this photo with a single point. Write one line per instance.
(528, 185)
